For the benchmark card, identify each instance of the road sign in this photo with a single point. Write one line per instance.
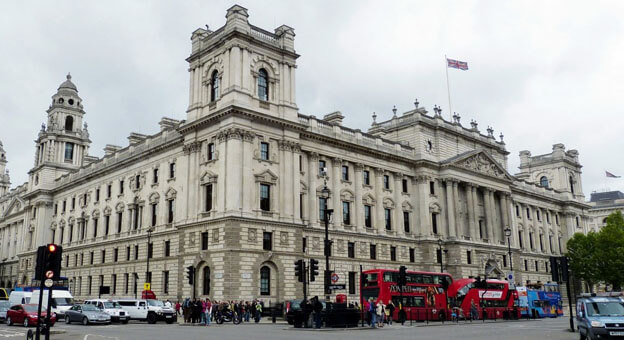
(510, 276)
(147, 286)
(334, 278)
(337, 287)
(49, 274)
(48, 283)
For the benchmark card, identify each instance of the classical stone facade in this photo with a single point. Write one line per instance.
(602, 205)
(234, 189)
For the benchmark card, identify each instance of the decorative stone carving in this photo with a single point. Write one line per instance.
(251, 236)
(316, 243)
(215, 235)
(482, 164)
(283, 238)
(191, 147)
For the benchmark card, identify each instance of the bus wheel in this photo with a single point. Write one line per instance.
(442, 316)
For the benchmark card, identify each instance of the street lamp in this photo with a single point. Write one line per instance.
(508, 234)
(148, 277)
(325, 194)
(440, 243)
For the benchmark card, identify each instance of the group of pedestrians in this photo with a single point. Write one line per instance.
(204, 311)
(312, 310)
(378, 313)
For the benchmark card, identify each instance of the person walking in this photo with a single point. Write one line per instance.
(207, 312)
(258, 312)
(390, 312)
(474, 314)
(380, 313)
(202, 315)
(318, 308)
(372, 311)
(177, 308)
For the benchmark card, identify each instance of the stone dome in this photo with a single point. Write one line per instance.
(67, 84)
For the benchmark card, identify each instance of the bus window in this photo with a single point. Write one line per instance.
(390, 277)
(409, 301)
(414, 278)
(371, 280)
(427, 279)
(370, 293)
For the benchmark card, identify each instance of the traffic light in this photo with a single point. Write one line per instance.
(564, 269)
(554, 269)
(190, 274)
(314, 269)
(300, 270)
(480, 283)
(402, 276)
(48, 260)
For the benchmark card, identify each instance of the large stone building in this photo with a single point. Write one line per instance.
(235, 189)
(602, 205)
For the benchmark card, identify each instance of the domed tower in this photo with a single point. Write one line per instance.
(5, 183)
(63, 144)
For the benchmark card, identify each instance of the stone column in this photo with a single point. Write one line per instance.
(380, 225)
(234, 176)
(505, 212)
(312, 199)
(248, 176)
(487, 204)
(335, 197)
(398, 206)
(458, 229)
(472, 214)
(296, 182)
(450, 208)
(421, 200)
(357, 208)
(527, 244)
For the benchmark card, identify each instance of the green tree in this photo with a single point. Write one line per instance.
(582, 255)
(609, 252)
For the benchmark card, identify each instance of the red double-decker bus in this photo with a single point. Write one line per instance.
(423, 296)
(496, 299)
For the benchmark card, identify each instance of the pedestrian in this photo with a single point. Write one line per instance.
(168, 304)
(380, 313)
(207, 312)
(372, 310)
(390, 312)
(202, 315)
(474, 314)
(366, 307)
(318, 308)
(258, 312)
(247, 311)
(186, 310)
(177, 308)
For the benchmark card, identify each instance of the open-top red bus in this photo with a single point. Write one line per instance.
(496, 298)
(423, 296)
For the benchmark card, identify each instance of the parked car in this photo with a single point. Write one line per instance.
(4, 307)
(4, 293)
(294, 313)
(86, 314)
(111, 308)
(26, 314)
(600, 317)
(148, 310)
(19, 297)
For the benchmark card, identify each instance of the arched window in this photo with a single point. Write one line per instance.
(206, 277)
(69, 123)
(265, 281)
(571, 184)
(604, 220)
(263, 84)
(544, 181)
(214, 80)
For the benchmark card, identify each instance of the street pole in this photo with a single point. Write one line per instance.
(327, 271)
(148, 279)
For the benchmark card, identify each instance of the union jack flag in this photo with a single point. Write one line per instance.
(461, 65)
(610, 175)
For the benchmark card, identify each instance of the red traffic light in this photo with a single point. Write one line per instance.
(51, 248)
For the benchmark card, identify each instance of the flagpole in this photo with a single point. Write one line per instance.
(448, 87)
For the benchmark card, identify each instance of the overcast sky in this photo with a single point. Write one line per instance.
(541, 72)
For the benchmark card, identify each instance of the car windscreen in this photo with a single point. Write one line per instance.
(59, 301)
(155, 303)
(5, 304)
(109, 304)
(30, 308)
(90, 308)
(605, 309)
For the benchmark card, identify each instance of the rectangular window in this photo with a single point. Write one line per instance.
(166, 282)
(172, 169)
(97, 195)
(150, 250)
(526, 265)
(406, 221)
(121, 187)
(91, 257)
(126, 281)
(536, 266)
(137, 181)
(95, 227)
(345, 173)
(322, 167)
(106, 224)
(208, 206)
(368, 219)
(520, 239)
(373, 251)
(434, 223)
(393, 254)
(170, 205)
(432, 188)
(154, 214)
(89, 283)
(119, 221)
(167, 248)
(64, 206)
(322, 207)
(541, 241)
(265, 197)
(55, 208)
(531, 240)
(351, 250)
(267, 241)
(69, 151)
(67, 261)
(104, 256)
(115, 254)
(204, 240)
(468, 257)
(211, 151)
(481, 229)
(438, 255)
(518, 210)
(412, 255)
(352, 282)
(128, 253)
(109, 191)
(301, 206)
(539, 217)
(557, 218)
(505, 261)
(550, 243)
(114, 283)
(346, 213)
(388, 218)
(81, 259)
(264, 151)
(404, 182)
(547, 217)
(528, 213)
(73, 203)
(366, 175)
(155, 175)
(386, 182)
(304, 245)
(136, 251)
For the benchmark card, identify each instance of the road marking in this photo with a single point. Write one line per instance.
(99, 336)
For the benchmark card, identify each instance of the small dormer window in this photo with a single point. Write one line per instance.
(544, 182)
(61, 100)
(69, 123)
(571, 184)
(263, 84)
(70, 102)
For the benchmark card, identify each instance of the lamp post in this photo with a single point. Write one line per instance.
(325, 194)
(508, 234)
(148, 277)
(440, 243)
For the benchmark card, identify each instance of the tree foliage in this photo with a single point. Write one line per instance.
(599, 257)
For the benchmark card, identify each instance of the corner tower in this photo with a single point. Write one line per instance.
(242, 65)
(62, 145)
(5, 183)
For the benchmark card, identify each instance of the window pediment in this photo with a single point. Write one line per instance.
(368, 199)
(171, 194)
(154, 198)
(266, 176)
(208, 177)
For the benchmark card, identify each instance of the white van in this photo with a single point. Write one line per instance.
(62, 300)
(20, 298)
(111, 308)
(148, 310)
